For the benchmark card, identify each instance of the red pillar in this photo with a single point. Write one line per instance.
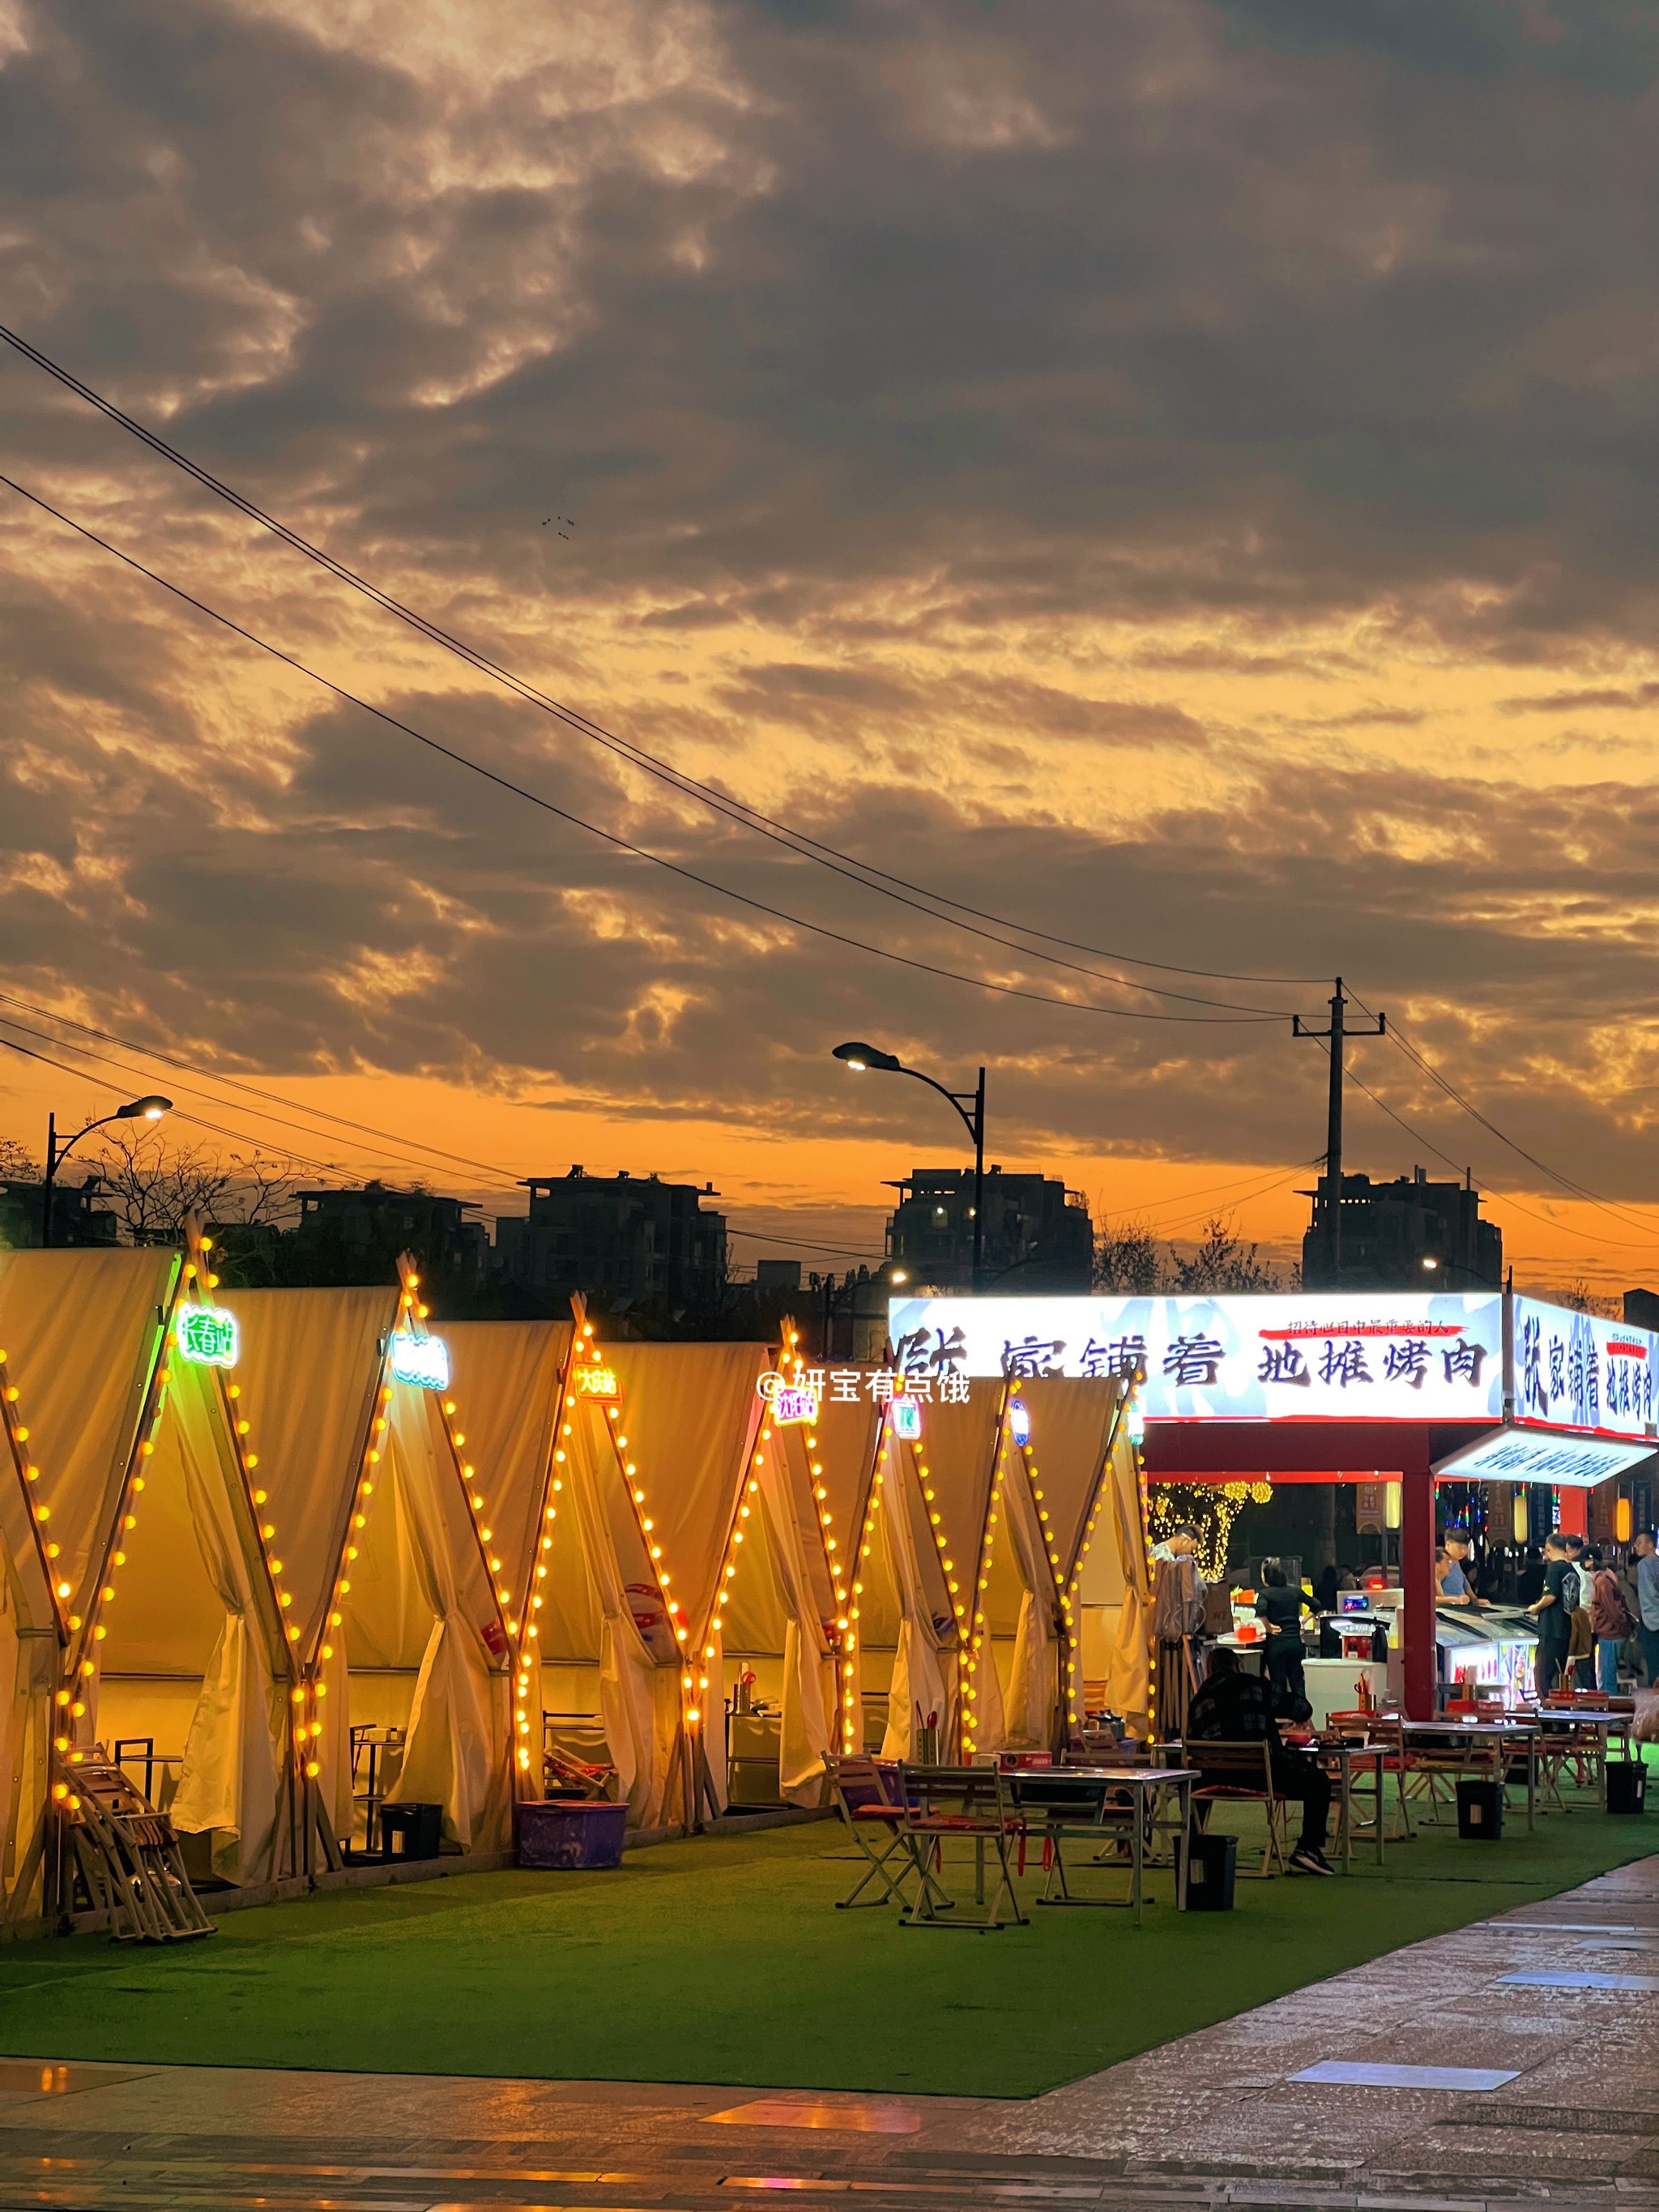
(1418, 1585)
(1575, 1512)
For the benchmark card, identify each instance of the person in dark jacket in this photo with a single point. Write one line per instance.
(1230, 1706)
(1280, 1607)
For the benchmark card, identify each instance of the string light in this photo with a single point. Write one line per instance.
(843, 1642)
(17, 1437)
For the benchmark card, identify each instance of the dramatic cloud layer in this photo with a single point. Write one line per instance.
(1174, 473)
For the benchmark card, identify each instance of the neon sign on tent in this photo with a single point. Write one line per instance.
(421, 1360)
(206, 1336)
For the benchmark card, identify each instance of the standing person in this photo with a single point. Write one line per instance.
(1457, 1585)
(1529, 1584)
(1553, 1614)
(1647, 1598)
(1581, 1652)
(1610, 1624)
(1234, 1707)
(1177, 1620)
(1280, 1607)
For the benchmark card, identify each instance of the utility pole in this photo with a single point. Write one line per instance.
(1332, 1178)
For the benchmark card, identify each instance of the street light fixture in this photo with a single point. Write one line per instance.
(151, 1108)
(970, 1105)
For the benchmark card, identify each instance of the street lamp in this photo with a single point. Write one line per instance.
(970, 1105)
(1431, 1265)
(149, 1108)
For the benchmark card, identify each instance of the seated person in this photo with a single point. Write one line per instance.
(1233, 1707)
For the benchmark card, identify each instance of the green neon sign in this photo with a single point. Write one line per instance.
(206, 1336)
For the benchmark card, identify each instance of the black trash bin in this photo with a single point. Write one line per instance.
(1480, 1811)
(1211, 1870)
(411, 1832)
(1628, 1786)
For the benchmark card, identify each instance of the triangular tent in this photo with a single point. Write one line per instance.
(1059, 1432)
(506, 1384)
(308, 1383)
(33, 1635)
(195, 1671)
(667, 1452)
(829, 1464)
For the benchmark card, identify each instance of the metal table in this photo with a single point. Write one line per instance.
(1493, 1735)
(1074, 1803)
(1345, 1757)
(1606, 1723)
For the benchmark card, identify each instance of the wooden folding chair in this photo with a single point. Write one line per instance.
(942, 1805)
(127, 1856)
(871, 1815)
(1242, 1773)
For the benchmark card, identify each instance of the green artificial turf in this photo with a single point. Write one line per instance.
(719, 1959)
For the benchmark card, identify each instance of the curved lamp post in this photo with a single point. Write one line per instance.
(147, 1109)
(970, 1105)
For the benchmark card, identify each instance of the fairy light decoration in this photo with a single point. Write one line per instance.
(85, 1634)
(28, 1473)
(835, 1565)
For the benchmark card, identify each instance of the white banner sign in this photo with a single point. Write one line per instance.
(1338, 1357)
(1576, 1371)
(1572, 1462)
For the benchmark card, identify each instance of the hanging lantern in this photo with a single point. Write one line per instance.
(1624, 1520)
(1522, 1522)
(1391, 1504)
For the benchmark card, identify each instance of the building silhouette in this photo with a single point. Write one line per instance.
(77, 1218)
(1407, 1234)
(1037, 1236)
(623, 1240)
(355, 1236)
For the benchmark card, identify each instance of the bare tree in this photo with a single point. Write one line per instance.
(1584, 1300)
(1127, 1261)
(152, 1187)
(1224, 1262)
(17, 1163)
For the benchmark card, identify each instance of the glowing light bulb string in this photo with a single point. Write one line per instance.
(87, 1633)
(844, 1647)
(972, 1631)
(525, 1753)
(759, 1433)
(28, 1473)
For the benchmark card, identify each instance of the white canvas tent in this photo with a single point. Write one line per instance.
(173, 1656)
(34, 1634)
(389, 1597)
(829, 1464)
(507, 1382)
(663, 1467)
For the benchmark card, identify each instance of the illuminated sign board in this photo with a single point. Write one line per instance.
(206, 1336)
(907, 1419)
(421, 1360)
(598, 1384)
(1019, 1420)
(1532, 1455)
(791, 1404)
(1576, 1371)
(1311, 1356)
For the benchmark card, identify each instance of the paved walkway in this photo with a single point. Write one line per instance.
(1554, 2101)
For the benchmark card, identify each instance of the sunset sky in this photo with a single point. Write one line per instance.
(1174, 475)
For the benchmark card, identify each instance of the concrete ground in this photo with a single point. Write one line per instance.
(1553, 2101)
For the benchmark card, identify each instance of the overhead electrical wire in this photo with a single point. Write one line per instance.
(1252, 1019)
(1567, 1182)
(864, 873)
(407, 1146)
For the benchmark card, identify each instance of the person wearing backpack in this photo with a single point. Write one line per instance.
(1610, 1620)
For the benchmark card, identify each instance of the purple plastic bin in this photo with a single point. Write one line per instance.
(553, 1833)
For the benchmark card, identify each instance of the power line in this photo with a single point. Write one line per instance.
(407, 1146)
(1567, 1182)
(611, 837)
(738, 811)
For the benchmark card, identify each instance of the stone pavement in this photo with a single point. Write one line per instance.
(1552, 2101)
